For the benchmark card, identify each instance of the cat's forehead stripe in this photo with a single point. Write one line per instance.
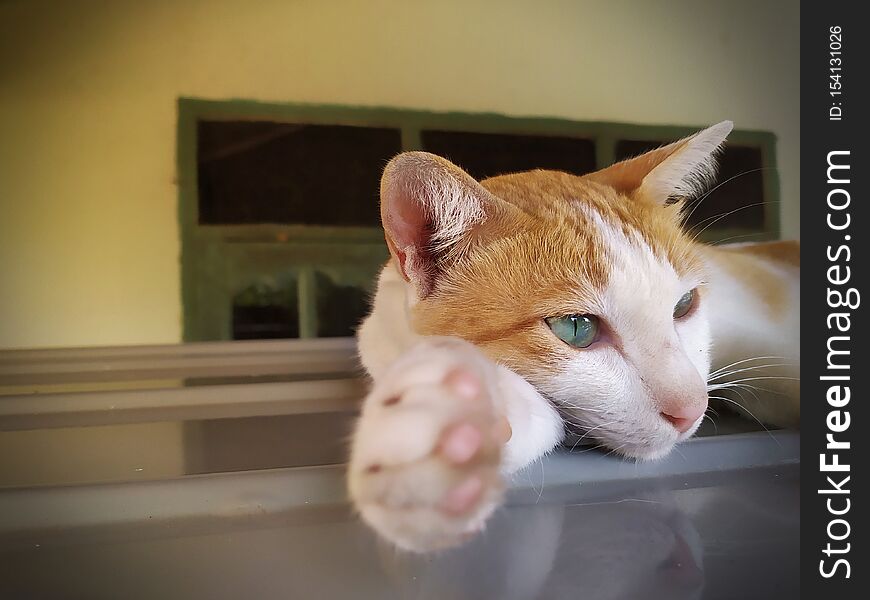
(628, 240)
(565, 200)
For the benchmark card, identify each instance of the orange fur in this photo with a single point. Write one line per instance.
(549, 260)
(494, 262)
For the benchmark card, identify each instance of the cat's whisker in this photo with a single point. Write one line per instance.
(748, 389)
(617, 449)
(744, 369)
(759, 378)
(746, 360)
(568, 404)
(591, 430)
(590, 448)
(715, 427)
(757, 387)
(718, 218)
(736, 364)
(787, 377)
(750, 413)
(751, 368)
(727, 385)
(582, 437)
(743, 236)
(720, 215)
(577, 424)
(582, 408)
(736, 390)
(706, 195)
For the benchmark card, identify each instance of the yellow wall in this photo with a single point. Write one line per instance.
(88, 232)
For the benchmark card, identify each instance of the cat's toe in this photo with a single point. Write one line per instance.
(461, 443)
(424, 469)
(463, 497)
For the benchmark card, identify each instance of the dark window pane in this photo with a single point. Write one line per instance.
(739, 187)
(264, 172)
(266, 311)
(340, 308)
(264, 323)
(489, 154)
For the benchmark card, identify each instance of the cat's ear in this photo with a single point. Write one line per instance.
(428, 206)
(670, 173)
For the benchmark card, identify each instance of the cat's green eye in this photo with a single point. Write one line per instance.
(684, 305)
(577, 330)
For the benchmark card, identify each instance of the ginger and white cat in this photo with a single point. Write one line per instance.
(523, 305)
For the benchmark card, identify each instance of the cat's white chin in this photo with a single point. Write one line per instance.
(659, 449)
(648, 453)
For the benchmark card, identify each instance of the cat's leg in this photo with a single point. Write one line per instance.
(437, 434)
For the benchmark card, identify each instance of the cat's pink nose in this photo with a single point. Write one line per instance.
(683, 417)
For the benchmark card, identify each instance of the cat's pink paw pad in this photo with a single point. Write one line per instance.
(463, 497)
(425, 462)
(461, 443)
(464, 383)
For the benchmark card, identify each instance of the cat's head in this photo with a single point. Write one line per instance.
(586, 286)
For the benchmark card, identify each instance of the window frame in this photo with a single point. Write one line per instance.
(210, 252)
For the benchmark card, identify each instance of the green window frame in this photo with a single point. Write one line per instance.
(218, 260)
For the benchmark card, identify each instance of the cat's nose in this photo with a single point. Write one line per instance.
(683, 417)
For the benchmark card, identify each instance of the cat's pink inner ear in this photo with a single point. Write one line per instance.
(427, 205)
(405, 230)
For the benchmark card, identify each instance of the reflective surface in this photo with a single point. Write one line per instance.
(582, 525)
(211, 471)
(168, 449)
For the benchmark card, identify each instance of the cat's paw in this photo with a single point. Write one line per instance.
(425, 461)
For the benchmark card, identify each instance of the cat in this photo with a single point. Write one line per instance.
(524, 306)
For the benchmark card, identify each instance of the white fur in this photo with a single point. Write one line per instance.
(401, 500)
(616, 394)
(689, 170)
(453, 216)
(766, 346)
(386, 334)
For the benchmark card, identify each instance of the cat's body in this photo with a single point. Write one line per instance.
(526, 304)
(754, 298)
